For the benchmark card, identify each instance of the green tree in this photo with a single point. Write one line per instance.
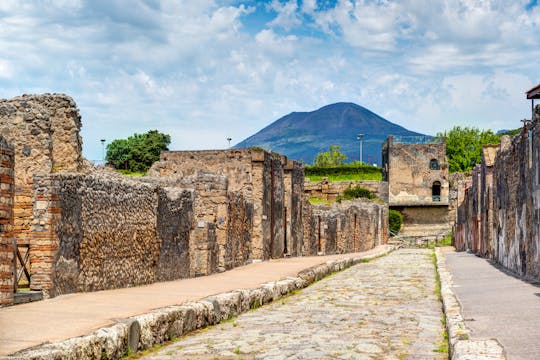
(332, 157)
(464, 146)
(138, 152)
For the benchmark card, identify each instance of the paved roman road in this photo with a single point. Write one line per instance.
(383, 309)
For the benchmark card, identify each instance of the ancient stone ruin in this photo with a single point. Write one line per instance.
(418, 187)
(197, 212)
(499, 207)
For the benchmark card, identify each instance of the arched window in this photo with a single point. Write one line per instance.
(436, 191)
(434, 164)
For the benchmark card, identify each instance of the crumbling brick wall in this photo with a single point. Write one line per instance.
(6, 222)
(500, 214)
(44, 132)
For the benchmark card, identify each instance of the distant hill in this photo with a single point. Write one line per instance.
(301, 135)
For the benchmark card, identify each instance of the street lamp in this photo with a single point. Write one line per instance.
(360, 137)
(229, 140)
(103, 150)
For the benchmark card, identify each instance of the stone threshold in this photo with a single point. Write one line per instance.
(142, 332)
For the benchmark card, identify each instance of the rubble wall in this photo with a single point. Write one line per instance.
(95, 232)
(499, 217)
(6, 222)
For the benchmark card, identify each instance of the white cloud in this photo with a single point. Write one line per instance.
(203, 70)
(287, 15)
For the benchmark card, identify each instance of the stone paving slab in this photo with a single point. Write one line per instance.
(383, 309)
(99, 324)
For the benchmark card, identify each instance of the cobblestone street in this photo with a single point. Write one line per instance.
(384, 309)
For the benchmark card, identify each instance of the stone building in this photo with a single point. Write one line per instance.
(417, 175)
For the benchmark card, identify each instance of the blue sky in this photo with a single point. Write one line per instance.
(205, 70)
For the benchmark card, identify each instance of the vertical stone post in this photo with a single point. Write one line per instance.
(6, 223)
(45, 241)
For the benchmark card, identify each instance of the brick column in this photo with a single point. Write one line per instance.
(6, 223)
(45, 241)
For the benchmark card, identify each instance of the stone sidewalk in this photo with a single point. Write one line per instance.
(75, 315)
(383, 309)
(497, 305)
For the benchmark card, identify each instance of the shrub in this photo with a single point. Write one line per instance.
(358, 192)
(395, 219)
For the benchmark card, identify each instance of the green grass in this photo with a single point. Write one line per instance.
(447, 241)
(130, 173)
(316, 200)
(443, 345)
(346, 177)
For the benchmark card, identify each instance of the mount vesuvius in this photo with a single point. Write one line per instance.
(301, 135)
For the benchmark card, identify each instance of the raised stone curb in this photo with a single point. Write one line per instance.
(144, 331)
(462, 347)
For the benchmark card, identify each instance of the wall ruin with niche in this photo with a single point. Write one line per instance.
(410, 179)
(418, 186)
(499, 216)
(6, 222)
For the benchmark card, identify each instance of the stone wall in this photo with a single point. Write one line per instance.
(95, 232)
(327, 190)
(499, 216)
(349, 226)
(6, 223)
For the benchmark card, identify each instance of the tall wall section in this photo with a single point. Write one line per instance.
(44, 132)
(6, 223)
(499, 216)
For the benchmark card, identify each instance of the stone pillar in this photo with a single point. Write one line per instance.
(6, 223)
(45, 242)
(203, 249)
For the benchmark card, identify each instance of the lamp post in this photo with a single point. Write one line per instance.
(360, 137)
(229, 141)
(103, 150)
